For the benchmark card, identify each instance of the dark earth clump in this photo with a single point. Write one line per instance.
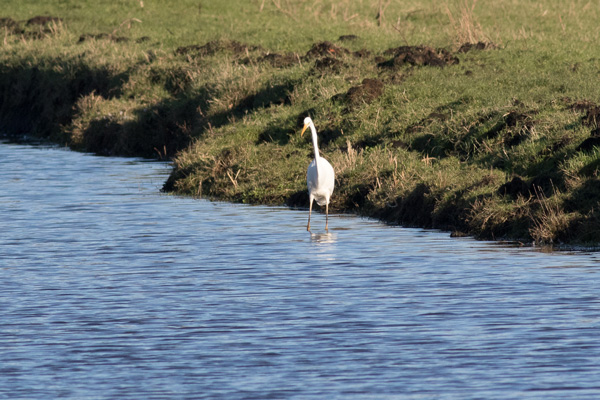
(519, 125)
(323, 49)
(369, 90)
(11, 26)
(592, 116)
(43, 20)
(102, 36)
(326, 64)
(515, 117)
(347, 38)
(418, 56)
(476, 46)
(516, 126)
(591, 112)
(280, 60)
(34, 28)
(580, 105)
(362, 53)
(214, 47)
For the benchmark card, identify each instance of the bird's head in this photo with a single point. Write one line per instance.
(307, 122)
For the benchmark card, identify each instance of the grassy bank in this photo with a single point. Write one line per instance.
(475, 118)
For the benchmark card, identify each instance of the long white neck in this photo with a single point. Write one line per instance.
(314, 139)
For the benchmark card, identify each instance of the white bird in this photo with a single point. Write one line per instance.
(320, 177)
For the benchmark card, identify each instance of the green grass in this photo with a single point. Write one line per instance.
(499, 143)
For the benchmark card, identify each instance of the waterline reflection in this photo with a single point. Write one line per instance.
(327, 237)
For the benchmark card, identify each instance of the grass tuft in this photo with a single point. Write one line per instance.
(464, 23)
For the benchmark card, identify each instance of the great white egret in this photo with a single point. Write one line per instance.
(320, 177)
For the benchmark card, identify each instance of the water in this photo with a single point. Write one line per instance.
(111, 290)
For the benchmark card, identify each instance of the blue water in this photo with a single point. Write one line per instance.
(112, 290)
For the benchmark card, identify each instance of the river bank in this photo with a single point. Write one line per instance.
(444, 117)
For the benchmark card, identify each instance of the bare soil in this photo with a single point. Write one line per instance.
(328, 64)
(326, 49)
(591, 112)
(366, 92)
(280, 60)
(43, 20)
(418, 56)
(215, 46)
(102, 36)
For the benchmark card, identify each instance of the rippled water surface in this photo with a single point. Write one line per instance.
(109, 289)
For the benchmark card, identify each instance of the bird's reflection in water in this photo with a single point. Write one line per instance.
(325, 248)
(325, 238)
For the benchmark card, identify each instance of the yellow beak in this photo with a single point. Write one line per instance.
(303, 129)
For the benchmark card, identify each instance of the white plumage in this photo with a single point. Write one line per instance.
(320, 177)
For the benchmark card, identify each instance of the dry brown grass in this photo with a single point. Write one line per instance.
(550, 220)
(464, 23)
